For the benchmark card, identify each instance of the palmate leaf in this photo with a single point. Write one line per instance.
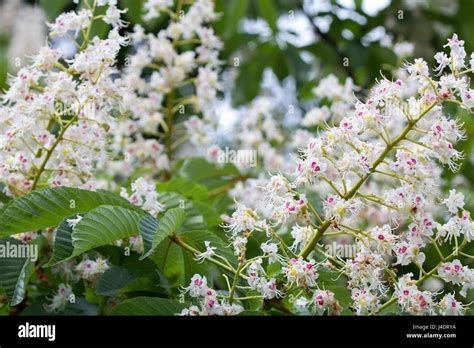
(48, 207)
(167, 226)
(148, 306)
(104, 225)
(14, 273)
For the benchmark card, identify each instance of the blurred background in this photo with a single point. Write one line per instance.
(303, 40)
(283, 47)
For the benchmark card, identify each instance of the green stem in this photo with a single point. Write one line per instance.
(315, 212)
(169, 126)
(50, 152)
(234, 284)
(185, 246)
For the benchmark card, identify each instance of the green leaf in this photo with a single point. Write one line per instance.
(390, 310)
(102, 226)
(99, 28)
(207, 174)
(48, 207)
(148, 226)
(273, 269)
(53, 8)
(194, 220)
(169, 259)
(233, 13)
(184, 186)
(210, 215)
(148, 306)
(134, 10)
(178, 265)
(5, 66)
(80, 307)
(334, 282)
(296, 65)
(114, 279)
(248, 82)
(168, 225)
(267, 10)
(15, 271)
(62, 246)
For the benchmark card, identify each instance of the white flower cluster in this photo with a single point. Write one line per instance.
(257, 280)
(265, 127)
(416, 302)
(325, 301)
(182, 55)
(60, 299)
(144, 195)
(300, 272)
(56, 114)
(25, 40)
(341, 97)
(208, 300)
(378, 175)
(87, 269)
(372, 175)
(91, 269)
(458, 274)
(259, 128)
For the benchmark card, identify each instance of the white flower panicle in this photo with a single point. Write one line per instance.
(185, 54)
(56, 115)
(377, 175)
